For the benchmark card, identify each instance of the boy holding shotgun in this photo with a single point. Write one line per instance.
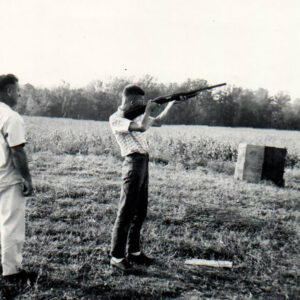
(130, 135)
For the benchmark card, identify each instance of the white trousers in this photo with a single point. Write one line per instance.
(12, 228)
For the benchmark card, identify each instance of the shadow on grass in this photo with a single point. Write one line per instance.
(225, 218)
(11, 291)
(200, 275)
(186, 250)
(78, 284)
(102, 290)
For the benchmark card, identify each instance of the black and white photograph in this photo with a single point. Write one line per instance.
(149, 149)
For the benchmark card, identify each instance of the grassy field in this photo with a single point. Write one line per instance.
(196, 210)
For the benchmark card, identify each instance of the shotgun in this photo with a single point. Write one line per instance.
(132, 114)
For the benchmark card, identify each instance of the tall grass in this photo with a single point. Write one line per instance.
(189, 145)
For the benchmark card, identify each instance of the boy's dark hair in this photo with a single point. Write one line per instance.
(133, 89)
(6, 80)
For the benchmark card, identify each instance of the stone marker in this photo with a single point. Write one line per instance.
(256, 163)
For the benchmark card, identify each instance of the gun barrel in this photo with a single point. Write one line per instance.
(206, 88)
(190, 94)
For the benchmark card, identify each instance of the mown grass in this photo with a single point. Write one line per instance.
(195, 211)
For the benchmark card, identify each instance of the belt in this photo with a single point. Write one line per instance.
(137, 154)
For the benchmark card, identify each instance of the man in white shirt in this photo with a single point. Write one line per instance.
(130, 135)
(15, 181)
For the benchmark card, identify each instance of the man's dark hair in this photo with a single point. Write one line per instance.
(132, 89)
(6, 80)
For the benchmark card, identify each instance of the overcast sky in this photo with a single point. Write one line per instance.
(245, 43)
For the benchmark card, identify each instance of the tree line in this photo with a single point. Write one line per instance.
(229, 106)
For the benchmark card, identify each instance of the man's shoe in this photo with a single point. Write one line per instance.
(124, 265)
(21, 277)
(140, 259)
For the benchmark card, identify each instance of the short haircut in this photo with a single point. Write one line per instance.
(133, 89)
(6, 80)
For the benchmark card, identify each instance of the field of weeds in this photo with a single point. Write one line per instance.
(196, 210)
(187, 145)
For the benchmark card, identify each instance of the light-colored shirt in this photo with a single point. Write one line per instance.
(12, 133)
(129, 141)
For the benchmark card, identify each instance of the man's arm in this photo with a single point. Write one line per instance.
(20, 162)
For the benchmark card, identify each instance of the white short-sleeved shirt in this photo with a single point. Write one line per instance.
(12, 133)
(129, 141)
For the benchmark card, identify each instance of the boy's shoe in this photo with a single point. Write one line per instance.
(141, 259)
(123, 265)
(21, 277)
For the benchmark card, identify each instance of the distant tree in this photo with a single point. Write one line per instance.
(225, 108)
(233, 106)
(279, 102)
(245, 112)
(95, 86)
(27, 92)
(262, 109)
(193, 110)
(116, 86)
(150, 86)
(291, 115)
(104, 104)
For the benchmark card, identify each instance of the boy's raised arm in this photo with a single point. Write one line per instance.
(146, 121)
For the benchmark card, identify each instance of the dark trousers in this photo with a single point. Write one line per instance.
(133, 205)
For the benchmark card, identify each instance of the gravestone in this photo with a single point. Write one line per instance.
(256, 163)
